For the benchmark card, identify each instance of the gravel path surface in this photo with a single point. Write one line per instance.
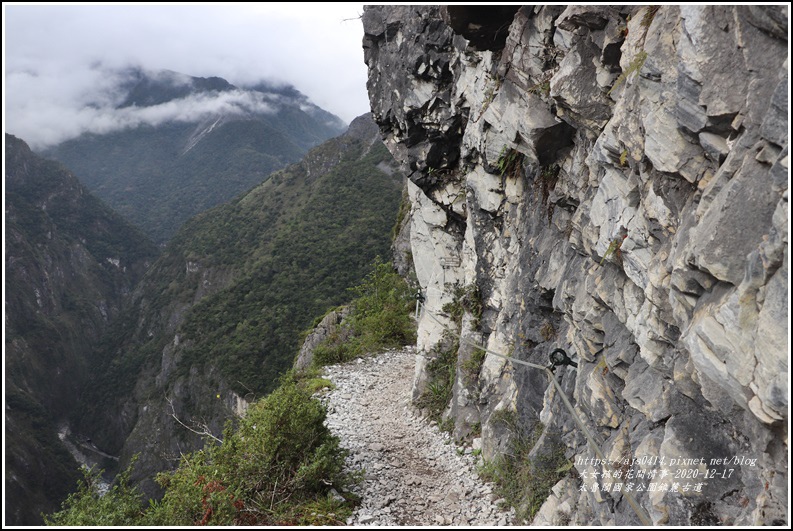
(414, 474)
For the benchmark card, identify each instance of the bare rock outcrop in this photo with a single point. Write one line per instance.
(612, 181)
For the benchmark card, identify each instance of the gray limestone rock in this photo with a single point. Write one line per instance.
(775, 124)
(644, 231)
(331, 324)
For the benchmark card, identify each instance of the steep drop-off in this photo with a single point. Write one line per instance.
(70, 264)
(612, 181)
(160, 174)
(218, 317)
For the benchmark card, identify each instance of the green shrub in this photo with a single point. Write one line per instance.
(473, 364)
(331, 353)
(468, 298)
(277, 468)
(522, 479)
(510, 162)
(442, 371)
(312, 385)
(281, 458)
(381, 318)
(121, 505)
(543, 88)
(404, 210)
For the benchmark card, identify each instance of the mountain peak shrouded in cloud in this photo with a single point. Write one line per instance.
(147, 88)
(132, 97)
(162, 146)
(65, 64)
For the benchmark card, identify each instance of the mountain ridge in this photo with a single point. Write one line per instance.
(185, 144)
(218, 316)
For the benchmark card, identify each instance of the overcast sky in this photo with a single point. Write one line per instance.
(59, 59)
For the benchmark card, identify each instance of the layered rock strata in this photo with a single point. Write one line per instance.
(612, 181)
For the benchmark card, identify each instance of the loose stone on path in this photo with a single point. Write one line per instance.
(414, 474)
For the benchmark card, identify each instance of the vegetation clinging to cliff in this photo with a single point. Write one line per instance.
(524, 476)
(277, 468)
(381, 318)
(441, 370)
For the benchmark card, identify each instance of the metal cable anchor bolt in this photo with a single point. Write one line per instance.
(559, 357)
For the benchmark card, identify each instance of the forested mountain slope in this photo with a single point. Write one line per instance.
(191, 143)
(70, 264)
(218, 317)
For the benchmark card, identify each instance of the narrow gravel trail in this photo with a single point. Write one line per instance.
(414, 474)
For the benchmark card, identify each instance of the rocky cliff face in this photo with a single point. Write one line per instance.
(614, 182)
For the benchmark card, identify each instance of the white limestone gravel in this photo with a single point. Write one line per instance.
(413, 473)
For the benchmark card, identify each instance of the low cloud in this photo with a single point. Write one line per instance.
(63, 63)
(34, 123)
